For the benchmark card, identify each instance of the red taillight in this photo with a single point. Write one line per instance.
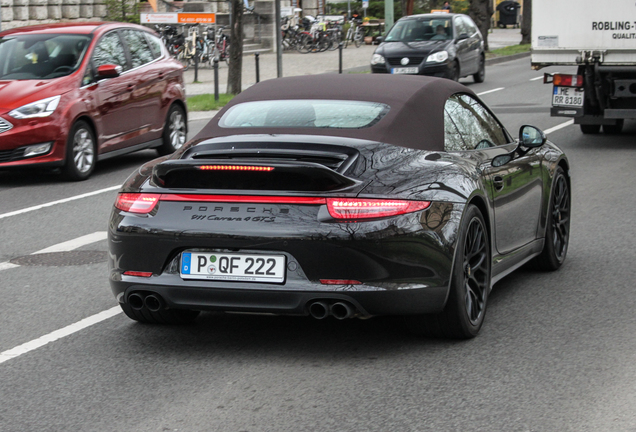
(360, 208)
(137, 202)
(340, 282)
(235, 168)
(138, 273)
(568, 80)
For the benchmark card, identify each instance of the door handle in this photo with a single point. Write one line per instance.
(498, 181)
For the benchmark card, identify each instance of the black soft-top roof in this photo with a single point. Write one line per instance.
(415, 119)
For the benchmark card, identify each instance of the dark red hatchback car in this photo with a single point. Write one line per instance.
(73, 94)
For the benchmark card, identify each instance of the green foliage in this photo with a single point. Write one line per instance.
(122, 11)
(206, 102)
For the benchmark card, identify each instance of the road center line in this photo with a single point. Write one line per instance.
(557, 127)
(64, 246)
(52, 203)
(490, 91)
(58, 334)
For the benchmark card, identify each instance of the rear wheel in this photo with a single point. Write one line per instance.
(465, 309)
(81, 153)
(590, 129)
(357, 38)
(614, 129)
(453, 71)
(174, 131)
(557, 233)
(164, 316)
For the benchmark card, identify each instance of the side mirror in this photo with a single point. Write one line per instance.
(379, 39)
(108, 71)
(531, 137)
(462, 37)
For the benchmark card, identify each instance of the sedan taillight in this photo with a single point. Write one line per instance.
(137, 202)
(360, 208)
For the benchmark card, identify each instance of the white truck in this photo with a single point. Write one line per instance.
(599, 37)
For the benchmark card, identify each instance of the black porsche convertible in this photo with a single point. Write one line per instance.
(341, 196)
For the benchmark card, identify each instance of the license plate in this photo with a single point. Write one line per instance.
(233, 267)
(405, 70)
(568, 96)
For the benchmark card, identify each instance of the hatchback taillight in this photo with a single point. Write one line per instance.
(137, 202)
(360, 208)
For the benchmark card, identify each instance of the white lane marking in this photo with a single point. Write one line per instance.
(64, 246)
(537, 78)
(7, 265)
(52, 203)
(75, 243)
(490, 91)
(58, 334)
(557, 127)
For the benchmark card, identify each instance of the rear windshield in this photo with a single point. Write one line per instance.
(307, 113)
(41, 56)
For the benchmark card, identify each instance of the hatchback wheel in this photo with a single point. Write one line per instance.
(481, 73)
(174, 131)
(453, 71)
(80, 152)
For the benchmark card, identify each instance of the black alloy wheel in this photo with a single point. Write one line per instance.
(465, 309)
(557, 233)
(175, 131)
(81, 152)
(453, 71)
(480, 76)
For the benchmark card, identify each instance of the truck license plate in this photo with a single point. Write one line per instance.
(233, 267)
(568, 96)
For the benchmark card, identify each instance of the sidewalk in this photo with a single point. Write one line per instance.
(294, 64)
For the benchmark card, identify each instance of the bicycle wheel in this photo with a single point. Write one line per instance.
(181, 57)
(358, 38)
(305, 44)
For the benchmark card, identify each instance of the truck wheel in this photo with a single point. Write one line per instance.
(614, 129)
(590, 129)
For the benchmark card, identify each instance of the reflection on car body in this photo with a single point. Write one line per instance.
(290, 202)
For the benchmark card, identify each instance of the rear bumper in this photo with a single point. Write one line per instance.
(408, 299)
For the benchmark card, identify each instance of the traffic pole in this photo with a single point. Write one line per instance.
(258, 75)
(340, 46)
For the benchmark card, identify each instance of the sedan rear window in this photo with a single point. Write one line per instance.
(304, 113)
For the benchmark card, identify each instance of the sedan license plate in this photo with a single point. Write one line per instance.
(568, 96)
(233, 267)
(405, 70)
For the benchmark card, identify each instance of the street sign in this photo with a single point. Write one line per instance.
(365, 4)
(177, 18)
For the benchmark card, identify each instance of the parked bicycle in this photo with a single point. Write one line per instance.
(221, 47)
(355, 34)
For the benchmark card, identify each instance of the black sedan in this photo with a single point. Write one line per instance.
(316, 196)
(441, 45)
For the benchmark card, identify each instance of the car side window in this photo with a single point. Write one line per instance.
(453, 140)
(478, 128)
(460, 27)
(155, 45)
(110, 50)
(140, 52)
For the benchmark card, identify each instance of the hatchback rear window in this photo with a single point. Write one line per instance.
(304, 113)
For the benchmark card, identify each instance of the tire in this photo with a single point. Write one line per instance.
(357, 39)
(81, 152)
(164, 316)
(453, 72)
(557, 234)
(590, 129)
(480, 76)
(614, 129)
(465, 308)
(181, 57)
(175, 131)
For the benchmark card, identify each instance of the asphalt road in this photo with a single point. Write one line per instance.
(557, 351)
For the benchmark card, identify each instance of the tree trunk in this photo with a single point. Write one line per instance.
(236, 49)
(481, 11)
(526, 22)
